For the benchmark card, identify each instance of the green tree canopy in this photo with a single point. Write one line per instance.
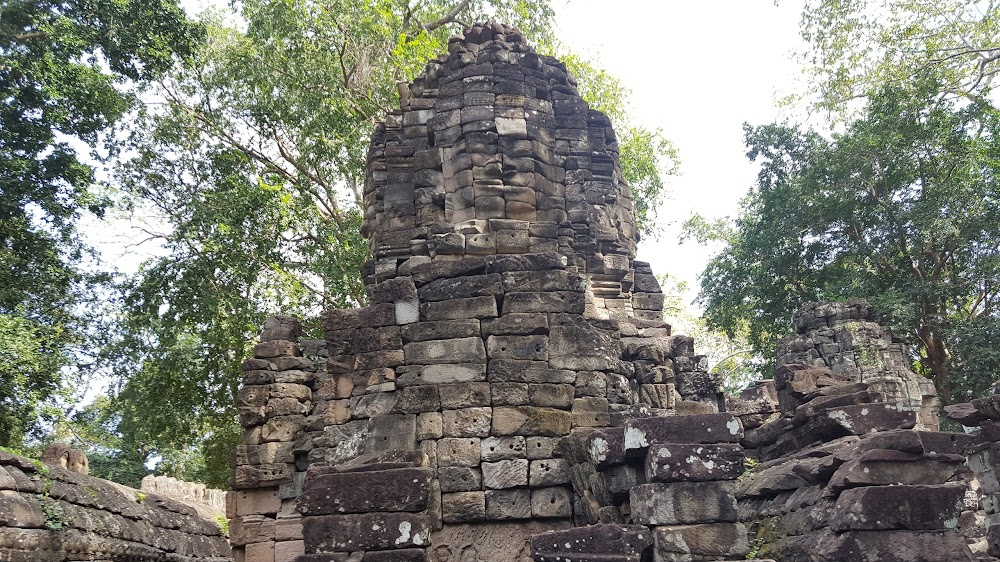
(64, 71)
(857, 47)
(903, 208)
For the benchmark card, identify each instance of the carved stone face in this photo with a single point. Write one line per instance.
(63, 456)
(494, 151)
(78, 462)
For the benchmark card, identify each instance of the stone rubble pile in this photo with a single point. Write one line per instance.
(981, 418)
(841, 474)
(816, 405)
(667, 478)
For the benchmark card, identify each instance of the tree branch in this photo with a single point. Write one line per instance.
(31, 36)
(450, 17)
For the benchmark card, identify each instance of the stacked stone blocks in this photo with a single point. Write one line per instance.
(50, 514)
(494, 152)
(981, 418)
(276, 406)
(843, 337)
(670, 478)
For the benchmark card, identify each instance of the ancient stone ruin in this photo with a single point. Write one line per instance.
(511, 392)
(844, 338)
(507, 311)
(56, 513)
(191, 492)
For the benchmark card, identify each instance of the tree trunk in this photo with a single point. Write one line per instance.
(937, 361)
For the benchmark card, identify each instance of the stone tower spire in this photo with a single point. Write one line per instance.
(493, 151)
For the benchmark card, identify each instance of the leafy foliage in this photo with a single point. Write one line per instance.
(93, 428)
(731, 356)
(857, 47)
(63, 78)
(902, 208)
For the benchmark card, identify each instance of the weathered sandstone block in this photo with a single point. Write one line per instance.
(683, 503)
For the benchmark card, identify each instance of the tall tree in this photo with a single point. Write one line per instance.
(856, 47)
(64, 71)
(903, 208)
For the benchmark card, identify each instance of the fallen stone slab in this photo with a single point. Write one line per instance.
(899, 507)
(973, 413)
(606, 447)
(916, 441)
(713, 541)
(840, 422)
(682, 503)
(883, 546)
(886, 466)
(684, 462)
(703, 428)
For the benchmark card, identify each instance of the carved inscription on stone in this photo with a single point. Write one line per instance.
(510, 100)
(489, 542)
(479, 98)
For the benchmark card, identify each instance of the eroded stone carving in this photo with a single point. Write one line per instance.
(64, 456)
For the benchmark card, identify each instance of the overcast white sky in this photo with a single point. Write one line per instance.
(699, 70)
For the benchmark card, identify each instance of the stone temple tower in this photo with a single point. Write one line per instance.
(507, 311)
(494, 152)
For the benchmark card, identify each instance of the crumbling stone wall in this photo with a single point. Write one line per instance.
(847, 460)
(273, 402)
(843, 337)
(190, 492)
(670, 479)
(841, 473)
(51, 514)
(835, 470)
